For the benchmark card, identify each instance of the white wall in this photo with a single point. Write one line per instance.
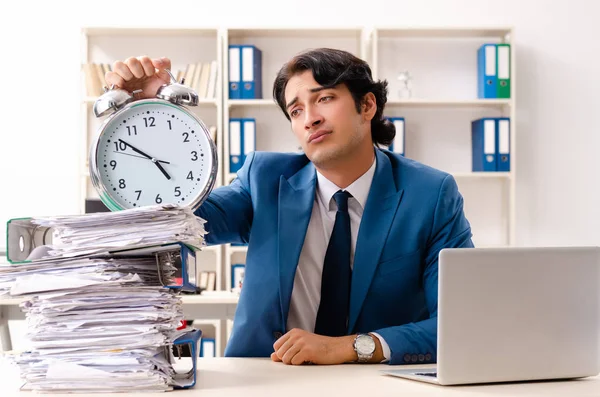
(557, 63)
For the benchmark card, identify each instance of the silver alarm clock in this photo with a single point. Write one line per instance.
(152, 151)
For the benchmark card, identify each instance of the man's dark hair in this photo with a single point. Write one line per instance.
(331, 67)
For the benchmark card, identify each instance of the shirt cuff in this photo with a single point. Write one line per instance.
(384, 346)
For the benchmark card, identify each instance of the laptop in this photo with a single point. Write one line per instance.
(515, 314)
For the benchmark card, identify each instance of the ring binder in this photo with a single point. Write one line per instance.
(30, 243)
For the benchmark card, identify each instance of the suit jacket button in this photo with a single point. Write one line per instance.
(414, 358)
(407, 358)
(277, 335)
(421, 357)
(428, 356)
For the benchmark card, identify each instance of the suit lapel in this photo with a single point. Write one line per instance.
(382, 203)
(296, 198)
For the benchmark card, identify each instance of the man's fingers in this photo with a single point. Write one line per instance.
(162, 63)
(275, 357)
(290, 353)
(135, 67)
(279, 342)
(122, 70)
(113, 78)
(147, 66)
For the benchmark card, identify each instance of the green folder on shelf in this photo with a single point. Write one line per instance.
(503, 69)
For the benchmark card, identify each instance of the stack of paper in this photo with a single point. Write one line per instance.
(98, 322)
(79, 235)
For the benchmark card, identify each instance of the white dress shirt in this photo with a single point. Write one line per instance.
(306, 294)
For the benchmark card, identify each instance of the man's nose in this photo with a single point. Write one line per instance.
(312, 119)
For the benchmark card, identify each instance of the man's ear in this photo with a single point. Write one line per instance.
(369, 106)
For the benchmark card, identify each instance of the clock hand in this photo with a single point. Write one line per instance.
(140, 157)
(160, 167)
(136, 149)
(155, 161)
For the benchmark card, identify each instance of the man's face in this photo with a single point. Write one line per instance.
(325, 121)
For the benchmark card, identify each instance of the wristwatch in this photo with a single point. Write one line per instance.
(364, 346)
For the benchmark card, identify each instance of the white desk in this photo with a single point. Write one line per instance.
(251, 377)
(219, 306)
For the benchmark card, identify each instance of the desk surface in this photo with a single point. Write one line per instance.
(250, 377)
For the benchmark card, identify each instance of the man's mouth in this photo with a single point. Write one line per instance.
(318, 136)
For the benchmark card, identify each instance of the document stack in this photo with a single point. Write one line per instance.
(101, 299)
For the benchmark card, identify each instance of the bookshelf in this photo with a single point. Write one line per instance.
(443, 64)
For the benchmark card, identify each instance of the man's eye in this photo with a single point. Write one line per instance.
(294, 112)
(325, 98)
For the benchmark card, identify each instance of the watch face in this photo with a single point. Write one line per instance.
(153, 152)
(365, 344)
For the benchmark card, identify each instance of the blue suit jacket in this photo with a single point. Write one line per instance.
(412, 212)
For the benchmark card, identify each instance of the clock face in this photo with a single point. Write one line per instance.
(153, 152)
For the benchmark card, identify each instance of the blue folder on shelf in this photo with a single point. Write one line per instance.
(483, 142)
(487, 74)
(397, 145)
(235, 145)
(248, 136)
(503, 140)
(208, 347)
(251, 72)
(235, 72)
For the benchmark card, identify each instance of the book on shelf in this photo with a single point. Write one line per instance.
(200, 76)
(94, 78)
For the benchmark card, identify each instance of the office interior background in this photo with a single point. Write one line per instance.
(555, 87)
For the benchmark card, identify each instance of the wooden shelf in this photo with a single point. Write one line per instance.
(147, 31)
(211, 298)
(488, 175)
(300, 32)
(419, 102)
(443, 33)
(251, 102)
(235, 249)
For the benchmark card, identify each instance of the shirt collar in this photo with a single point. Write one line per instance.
(359, 189)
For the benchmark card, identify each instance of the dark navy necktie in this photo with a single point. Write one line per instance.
(337, 275)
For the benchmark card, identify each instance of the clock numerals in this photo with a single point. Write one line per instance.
(186, 137)
(113, 164)
(149, 122)
(190, 176)
(194, 155)
(122, 184)
(139, 193)
(158, 199)
(170, 126)
(131, 129)
(177, 191)
(120, 145)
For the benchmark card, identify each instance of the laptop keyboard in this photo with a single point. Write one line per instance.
(432, 374)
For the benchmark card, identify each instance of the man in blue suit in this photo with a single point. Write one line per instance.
(343, 240)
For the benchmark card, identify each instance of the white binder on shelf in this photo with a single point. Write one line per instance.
(249, 130)
(235, 145)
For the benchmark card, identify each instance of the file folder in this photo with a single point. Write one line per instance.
(237, 275)
(208, 347)
(186, 378)
(483, 142)
(503, 57)
(249, 137)
(251, 72)
(487, 77)
(235, 72)
(503, 132)
(235, 145)
(23, 237)
(397, 145)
